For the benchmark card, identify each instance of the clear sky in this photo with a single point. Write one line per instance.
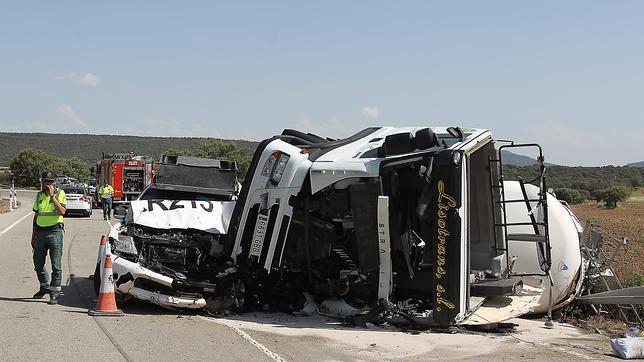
(566, 74)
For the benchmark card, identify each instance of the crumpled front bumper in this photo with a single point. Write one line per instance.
(161, 299)
(121, 267)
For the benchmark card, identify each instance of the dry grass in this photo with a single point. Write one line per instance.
(599, 323)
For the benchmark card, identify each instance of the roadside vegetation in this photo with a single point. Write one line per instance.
(30, 163)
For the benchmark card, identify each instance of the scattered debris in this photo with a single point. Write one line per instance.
(629, 347)
(601, 287)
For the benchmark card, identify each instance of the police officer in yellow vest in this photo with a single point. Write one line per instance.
(105, 192)
(47, 236)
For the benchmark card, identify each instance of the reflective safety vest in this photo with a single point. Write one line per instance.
(44, 206)
(105, 191)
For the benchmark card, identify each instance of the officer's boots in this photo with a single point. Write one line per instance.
(53, 299)
(41, 293)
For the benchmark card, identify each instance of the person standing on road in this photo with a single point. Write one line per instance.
(105, 192)
(47, 236)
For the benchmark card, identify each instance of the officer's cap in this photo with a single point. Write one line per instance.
(48, 176)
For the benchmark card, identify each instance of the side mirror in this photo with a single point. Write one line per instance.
(119, 212)
(456, 132)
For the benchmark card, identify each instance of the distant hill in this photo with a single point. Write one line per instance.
(635, 164)
(513, 159)
(90, 147)
(510, 158)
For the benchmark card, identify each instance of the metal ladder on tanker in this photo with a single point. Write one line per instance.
(540, 234)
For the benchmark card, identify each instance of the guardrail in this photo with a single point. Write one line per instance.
(13, 198)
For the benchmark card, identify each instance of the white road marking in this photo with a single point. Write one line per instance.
(14, 224)
(274, 356)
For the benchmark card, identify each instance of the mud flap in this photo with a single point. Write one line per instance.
(384, 249)
(364, 199)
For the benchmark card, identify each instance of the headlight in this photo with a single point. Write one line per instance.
(456, 158)
(275, 166)
(125, 245)
(279, 169)
(268, 166)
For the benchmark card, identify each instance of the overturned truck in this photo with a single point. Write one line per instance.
(402, 224)
(409, 220)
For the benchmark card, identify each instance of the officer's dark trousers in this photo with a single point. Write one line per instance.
(107, 207)
(49, 241)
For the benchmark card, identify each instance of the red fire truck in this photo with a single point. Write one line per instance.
(126, 172)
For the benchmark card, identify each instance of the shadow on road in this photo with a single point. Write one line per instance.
(134, 306)
(70, 298)
(23, 300)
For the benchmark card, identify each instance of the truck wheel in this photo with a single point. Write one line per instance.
(231, 300)
(238, 294)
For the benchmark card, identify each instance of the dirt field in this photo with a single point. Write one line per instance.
(625, 220)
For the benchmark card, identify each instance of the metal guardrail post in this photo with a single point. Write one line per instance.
(13, 200)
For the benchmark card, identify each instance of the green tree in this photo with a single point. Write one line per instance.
(614, 194)
(27, 166)
(597, 195)
(30, 163)
(226, 151)
(75, 167)
(571, 196)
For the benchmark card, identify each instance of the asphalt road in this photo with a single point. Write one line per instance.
(32, 330)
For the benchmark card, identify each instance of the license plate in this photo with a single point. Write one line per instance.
(260, 234)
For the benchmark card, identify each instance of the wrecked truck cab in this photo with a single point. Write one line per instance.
(169, 247)
(404, 220)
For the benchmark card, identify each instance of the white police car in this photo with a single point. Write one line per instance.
(78, 201)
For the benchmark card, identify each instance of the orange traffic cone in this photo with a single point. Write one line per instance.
(106, 305)
(101, 249)
(101, 256)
